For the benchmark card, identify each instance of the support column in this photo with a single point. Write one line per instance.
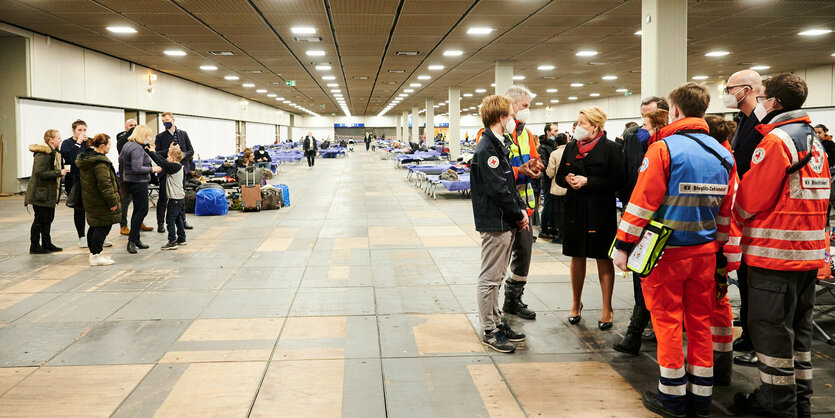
(663, 46)
(504, 76)
(454, 109)
(404, 127)
(430, 123)
(396, 126)
(415, 128)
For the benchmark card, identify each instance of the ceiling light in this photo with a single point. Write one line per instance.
(328, 77)
(700, 77)
(174, 52)
(323, 67)
(261, 91)
(403, 95)
(760, 67)
(621, 90)
(610, 77)
(468, 95)
(396, 71)
(247, 85)
(545, 67)
(479, 30)
(538, 103)
(279, 98)
(271, 95)
(222, 53)
(333, 84)
(453, 53)
(717, 53)
(577, 84)
(518, 77)
(409, 91)
(415, 85)
(424, 77)
(815, 32)
(554, 101)
(286, 102)
(208, 67)
(121, 29)
(336, 91)
(315, 53)
(480, 91)
(551, 91)
(435, 67)
(253, 71)
(303, 30)
(231, 77)
(586, 53)
(594, 94)
(492, 84)
(639, 33)
(408, 53)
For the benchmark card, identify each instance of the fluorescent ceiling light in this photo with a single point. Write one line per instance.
(610, 77)
(760, 67)
(279, 98)
(815, 32)
(639, 33)
(577, 84)
(468, 95)
(545, 67)
(538, 103)
(403, 95)
(208, 67)
(518, 77)
(717, 53)
(415, 85)
(479, 30)
(409, 91)
(174, 52)
(480, 91)
(333, 84)
(286, 102)
(551, 91)
(315, 53)
(700, 77)
(271, 95)
(336, 91)
(231, 77)
(435, 67)
(323, 67)
(303, 30)
(621, 90)
(424, 77)
(572, 98)
(121, 29)
(554, 101)
(261, 91)
(247, 85)
(453, 53)
(594, 94)
(492, 84)
(586, 53)
(328, 77)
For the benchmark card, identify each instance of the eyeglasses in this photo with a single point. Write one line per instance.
(761, 99)
(729, 88)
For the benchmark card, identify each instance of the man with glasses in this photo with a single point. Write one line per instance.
(741, 93)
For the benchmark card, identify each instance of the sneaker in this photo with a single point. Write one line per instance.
(124, 230)
(172, 245)
(183, 242)
(98, 260)
(107, 243)
(498, 341)
(511, 335)
(106, 258)
(82, 242)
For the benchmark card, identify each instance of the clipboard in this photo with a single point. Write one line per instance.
(644, 256)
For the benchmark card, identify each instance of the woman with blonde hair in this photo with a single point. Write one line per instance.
(591, 169)
(135, 169)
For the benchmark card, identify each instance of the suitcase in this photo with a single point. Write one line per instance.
(285, 194)
(251, 198)
(270, 198)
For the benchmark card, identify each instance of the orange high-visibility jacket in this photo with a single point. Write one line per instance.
(783, 213)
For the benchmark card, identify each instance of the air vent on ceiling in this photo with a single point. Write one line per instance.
(279, 83)
(363, 77)
(409, 53)
(307, 39)
(253, 71)
(597, 63)
(223, 53)
(549, 77)
(396, 72)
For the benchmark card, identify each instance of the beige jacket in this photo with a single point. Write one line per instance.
(551, 171)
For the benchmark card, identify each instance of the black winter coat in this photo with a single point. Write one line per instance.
(497, 206)
(546, 147)
(590, 220)
(633, 155)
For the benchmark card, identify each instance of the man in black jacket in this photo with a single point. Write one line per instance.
(547, 145)
(310, 149)
(498, 212)
(171, 136)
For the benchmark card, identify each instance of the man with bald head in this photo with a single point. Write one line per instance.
(741, 93)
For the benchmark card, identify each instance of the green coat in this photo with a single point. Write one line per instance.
(46, 177)
(99, 190)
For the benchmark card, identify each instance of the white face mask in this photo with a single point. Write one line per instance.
(729, 101)
(760, 112)
(523, 115)
(510, 126)
(580, 133)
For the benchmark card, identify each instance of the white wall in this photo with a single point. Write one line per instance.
(209, 137)
(259, 134)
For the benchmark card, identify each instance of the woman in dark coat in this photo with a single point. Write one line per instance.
(591, 169)
(43, 189)
(100, 194)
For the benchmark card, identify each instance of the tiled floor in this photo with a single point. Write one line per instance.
(358, 300)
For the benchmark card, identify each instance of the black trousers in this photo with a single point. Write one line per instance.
(139, 194)
(520, 256)
(125, 204)
(742, 279)
(162, 202)
(780, 322)
(311, 160)
(42, 225)
(78, 213)
(176, 220)
(95, 238)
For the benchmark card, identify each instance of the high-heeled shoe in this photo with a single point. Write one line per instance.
(574, 320)
(603, 326)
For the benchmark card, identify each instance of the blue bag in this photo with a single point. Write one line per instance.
(211, 202)
(285, 193)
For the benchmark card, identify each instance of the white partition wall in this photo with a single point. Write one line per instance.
(259, 134)
(209, 137)
(37, 116)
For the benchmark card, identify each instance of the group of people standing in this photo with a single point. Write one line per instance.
(99, 195)
(750, 196)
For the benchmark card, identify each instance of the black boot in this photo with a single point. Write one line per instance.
(140, 245)
(631, 343)
(513, 304)
(47, 242)
(35, 248)
(131, 247)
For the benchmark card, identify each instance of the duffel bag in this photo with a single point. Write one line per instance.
(211, 202)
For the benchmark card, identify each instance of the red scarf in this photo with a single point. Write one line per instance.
(585, 146)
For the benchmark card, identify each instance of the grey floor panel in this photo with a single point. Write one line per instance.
(333, 301)
(265, 303)
(32, 344)
(123, 342)
(80, 307)
(170, 304)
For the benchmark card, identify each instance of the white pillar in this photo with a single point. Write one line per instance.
(454, 109)
(415, 127)
(396, 126)
(404, 127)
(663, 46)
(430, 123)
(504, 76)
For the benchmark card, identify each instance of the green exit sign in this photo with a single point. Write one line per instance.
(291, 83)
(628, 93)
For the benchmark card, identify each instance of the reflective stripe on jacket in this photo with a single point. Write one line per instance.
(522, 149)
(784, 214)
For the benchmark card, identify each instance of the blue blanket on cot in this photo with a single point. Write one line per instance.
(463, 182)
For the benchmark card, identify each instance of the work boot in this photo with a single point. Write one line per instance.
(35, 248)
(124, 230)
(631, 343)
(513, 304)
(49, 246)
(652, 403)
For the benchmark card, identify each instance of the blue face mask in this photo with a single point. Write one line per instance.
(167, 125)
(643, 135)
(553, 138)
